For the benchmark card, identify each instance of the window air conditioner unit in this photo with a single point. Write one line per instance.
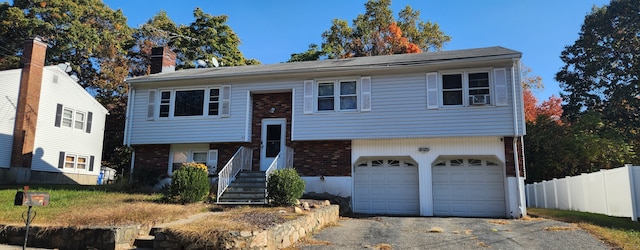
(480, 99)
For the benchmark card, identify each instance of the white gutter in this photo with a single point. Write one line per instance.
(127, 129)
(516, 132)
(130, 93)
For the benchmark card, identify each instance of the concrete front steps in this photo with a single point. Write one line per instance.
(249, 187)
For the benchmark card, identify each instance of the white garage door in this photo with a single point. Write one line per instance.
(386, 186)
(468, 187)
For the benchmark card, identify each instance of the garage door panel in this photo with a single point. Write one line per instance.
(476, 191)
(386, 190)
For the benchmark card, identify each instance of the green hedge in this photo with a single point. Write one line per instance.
(189, 184)
(285, 187)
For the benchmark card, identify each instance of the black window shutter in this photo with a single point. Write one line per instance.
(58, 115)
(91, 163)
(89, 118)
(61, 160)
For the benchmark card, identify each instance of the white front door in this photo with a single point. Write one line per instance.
(272, 140)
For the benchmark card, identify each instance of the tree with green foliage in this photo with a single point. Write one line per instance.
(312, 54)
(372, 33)
(87, 34)
(207, 37)
(602, 69)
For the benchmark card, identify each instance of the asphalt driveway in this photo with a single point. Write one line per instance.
(451, 233)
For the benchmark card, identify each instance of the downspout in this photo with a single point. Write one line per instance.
(127, 130)
(516, 132)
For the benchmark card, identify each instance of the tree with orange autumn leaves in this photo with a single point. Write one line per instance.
(551, 107)
(556, 147)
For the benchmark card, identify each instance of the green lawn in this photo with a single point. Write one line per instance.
(622, 232)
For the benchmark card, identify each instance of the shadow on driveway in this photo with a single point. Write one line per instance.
(383, 232)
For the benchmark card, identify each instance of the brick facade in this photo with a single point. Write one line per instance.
(322, 158)
(508, 154)
(153, 157)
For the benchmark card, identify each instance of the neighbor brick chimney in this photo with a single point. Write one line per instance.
(24, 131)
(162, 60)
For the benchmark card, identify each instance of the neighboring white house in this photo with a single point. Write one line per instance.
(51, 129)
(430, 134)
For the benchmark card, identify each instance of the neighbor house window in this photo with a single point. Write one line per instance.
(75, 119)
(192, 102)
(467, 88)
(337, 95)
(74, 161)
(67, 117)
(79, 120)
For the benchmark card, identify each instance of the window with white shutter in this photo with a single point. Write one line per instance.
(500, 86)
(151, 104)
(365, 93)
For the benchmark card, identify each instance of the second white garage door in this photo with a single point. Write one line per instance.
(386, 186)
(469, 188)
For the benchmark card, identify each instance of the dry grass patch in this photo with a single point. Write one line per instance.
(246, 219)
(436, 230)
(83, 206)
(313, 242)
(482, 244)
(618, 232)
(500, 222)
(128, 213)
(529, 218)
(561, 228)
(383, 246)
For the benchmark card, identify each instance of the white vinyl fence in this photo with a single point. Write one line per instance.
(613, 192)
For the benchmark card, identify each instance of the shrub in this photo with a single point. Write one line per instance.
(189, 184)
(285, 187)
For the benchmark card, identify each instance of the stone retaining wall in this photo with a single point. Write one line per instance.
(71, 237)
(277, 237)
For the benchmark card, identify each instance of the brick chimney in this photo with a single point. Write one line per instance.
(24, 131)
(162, 60)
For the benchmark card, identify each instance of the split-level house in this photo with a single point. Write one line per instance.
(429, 134)
(51, 129)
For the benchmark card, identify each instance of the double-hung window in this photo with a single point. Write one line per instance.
(72, 161)
(67, 117)
(475, 87)
(337, 95)
(203, 102)
(452, 90)
(193, 153)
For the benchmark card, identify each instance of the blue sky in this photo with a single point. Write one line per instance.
(271, 30)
